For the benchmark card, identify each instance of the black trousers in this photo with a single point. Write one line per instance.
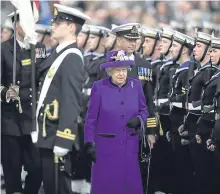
(48, 172)
(182, 163)
(18, 152)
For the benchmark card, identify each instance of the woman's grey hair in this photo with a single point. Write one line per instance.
(108, 71)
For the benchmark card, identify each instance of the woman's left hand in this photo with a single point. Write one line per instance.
(134, 123)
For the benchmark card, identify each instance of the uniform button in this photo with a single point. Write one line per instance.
(122, 102)
(31, 103)
(38, 92)
(119, 90)
(122, 142)
(122, 116)
(30, 89)
(30, 96)
(122, 129)
(41, 114)
(17, 105)
(42, 105)
(18, 82)
(40, 83)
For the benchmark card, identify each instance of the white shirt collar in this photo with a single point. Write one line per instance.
(21, 44)
(63, 45)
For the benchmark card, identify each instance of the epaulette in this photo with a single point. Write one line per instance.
(97, 57)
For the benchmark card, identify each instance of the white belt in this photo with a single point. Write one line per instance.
(177, 104)
(193, 108)
(87, 91)
(161, 101)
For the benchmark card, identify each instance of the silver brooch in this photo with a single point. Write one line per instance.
(132, 84)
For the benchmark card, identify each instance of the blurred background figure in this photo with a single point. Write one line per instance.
(6, 30)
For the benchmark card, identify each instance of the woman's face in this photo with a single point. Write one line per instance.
(119, 75)
(215, 56)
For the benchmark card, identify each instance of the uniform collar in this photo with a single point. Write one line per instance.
(64, 45)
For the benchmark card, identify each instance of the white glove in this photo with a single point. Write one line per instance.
(168, 136)
(34, 136)
(60, 152)
(185, 142)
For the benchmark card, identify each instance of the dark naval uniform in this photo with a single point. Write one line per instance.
(57, 118)
(207, 172)
(17, 148)
(197, 83)
(182, 163)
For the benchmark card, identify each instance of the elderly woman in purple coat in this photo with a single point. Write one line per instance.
(115, 117)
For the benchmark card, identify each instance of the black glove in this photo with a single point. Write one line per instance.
(134, 123)
(90, 150)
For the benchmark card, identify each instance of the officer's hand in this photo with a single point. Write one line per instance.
(198, 139)
(151, 140)
(185, 142)
(134, 123)
(182, 132)
(210, 145)
(90, 150)
(60, 152)
(11, 94)
(168, 136)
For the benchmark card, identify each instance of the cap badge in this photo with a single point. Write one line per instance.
(55, 12)
(134, 30)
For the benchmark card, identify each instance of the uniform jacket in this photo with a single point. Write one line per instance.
(57, 118)
(199, 80)
(109, 110)
(164, 79)
(13, 122)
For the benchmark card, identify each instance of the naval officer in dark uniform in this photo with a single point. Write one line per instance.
(59, 102)
(16, 122)
(207, 174)
(181, 49)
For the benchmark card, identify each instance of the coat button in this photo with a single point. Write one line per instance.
(119, 90)
(122, 116)
(17, 105)
(38, 92)
(122, 129)
(42, 105)
(122, 102)
(30, 96)
(30, 89)
(31, 103)
(122, 142)
(40, 83)
(18, 82)
(41, 114)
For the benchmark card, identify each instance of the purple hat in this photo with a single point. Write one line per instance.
(117, 59)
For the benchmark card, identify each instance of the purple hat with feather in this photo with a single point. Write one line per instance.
(118, 59)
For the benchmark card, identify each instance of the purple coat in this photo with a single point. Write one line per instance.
(117, 167)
